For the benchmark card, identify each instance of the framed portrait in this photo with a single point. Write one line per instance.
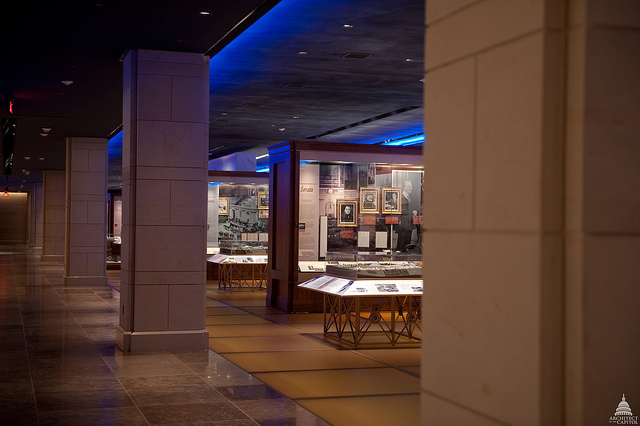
(263, 200)
(369, 200)
(391, 203)
(347, 213)
(223, 206)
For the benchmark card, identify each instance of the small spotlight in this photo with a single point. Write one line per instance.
(67, 82)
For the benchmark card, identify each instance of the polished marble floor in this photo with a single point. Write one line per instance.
(59, 363)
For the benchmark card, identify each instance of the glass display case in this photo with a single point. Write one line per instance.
(341, 198)
(238, 210)
(380, 264)
(243, 247)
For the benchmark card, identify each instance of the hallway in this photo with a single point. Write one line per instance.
(59, 363)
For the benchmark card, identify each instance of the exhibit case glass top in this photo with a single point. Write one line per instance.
(374, 264)
(243, 247)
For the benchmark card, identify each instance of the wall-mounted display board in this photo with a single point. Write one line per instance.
(337, 197)
(358, 312)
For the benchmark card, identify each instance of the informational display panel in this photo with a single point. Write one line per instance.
(225, 258)
(308, 213)
(345, 287)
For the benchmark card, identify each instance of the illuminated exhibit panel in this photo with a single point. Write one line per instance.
(354, 207)
(238, 210)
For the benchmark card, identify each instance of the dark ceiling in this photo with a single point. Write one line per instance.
(330, 70)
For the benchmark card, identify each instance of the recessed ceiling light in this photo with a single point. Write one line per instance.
(67, 82)
(347, 26)
(282, 129)
(46, 129)
(40, 158)
(44, 134)
(302, 52)
(27, 158)
(205, 13)
(408, 60)
(295, 116)
(355, 55)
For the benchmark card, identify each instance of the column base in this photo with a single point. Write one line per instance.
(85, 281)
(161, 341)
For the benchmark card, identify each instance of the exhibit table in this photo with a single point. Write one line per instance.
(239, 272)
(354, 309)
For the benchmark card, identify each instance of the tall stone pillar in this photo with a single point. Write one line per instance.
(164, 181)
(54, 216)
(532, 212)
(602, 211)
(36, 214)
(85, 261)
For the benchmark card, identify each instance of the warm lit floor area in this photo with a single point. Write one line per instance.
(59, 363)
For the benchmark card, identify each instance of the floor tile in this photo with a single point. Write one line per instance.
(309, 360)
(279, 412)
(249, 392)
(336, 383)
(130, 416)
(234, 319)
(264, 344)
(193, 413)
(74, 400)
(378, 410)
(234, 330)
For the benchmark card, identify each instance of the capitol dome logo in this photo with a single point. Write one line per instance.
(623, 415)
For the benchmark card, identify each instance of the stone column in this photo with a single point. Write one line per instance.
(531, 264)
(86, 212)
(492, 313)
(36, 214)
(602, 210)
(163, 277)
(54, 198)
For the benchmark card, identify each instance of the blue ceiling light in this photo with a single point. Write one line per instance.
(115, 144)
(406, 141)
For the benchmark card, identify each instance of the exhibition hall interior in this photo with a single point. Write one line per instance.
(320, 212)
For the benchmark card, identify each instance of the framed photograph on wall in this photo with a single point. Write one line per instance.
(347, 213)
(391, 201)
(223, 206)
(263, 200)
(369, 200)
